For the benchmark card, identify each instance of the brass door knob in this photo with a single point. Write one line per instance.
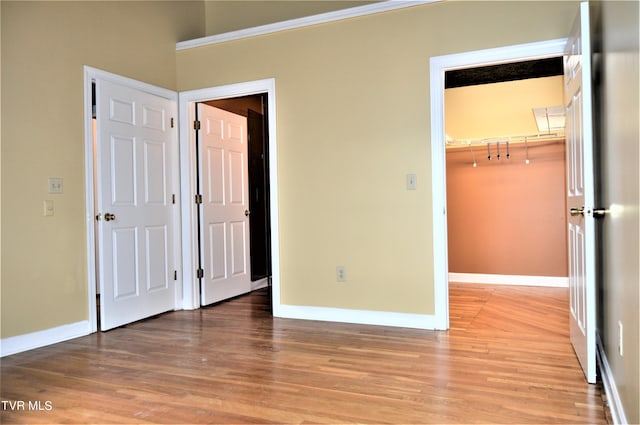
(576, 211)
(246, 213)
(109, 217)
(600, 212)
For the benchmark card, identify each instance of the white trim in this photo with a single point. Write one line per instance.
(437, 68)
(191, 289)
(363, 317)
(20, 343)
(91, 74)
(504, 279)
(610, 387)
(369, 9)
(259, 284)
(99, 74)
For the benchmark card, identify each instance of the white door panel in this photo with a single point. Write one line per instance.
(580, 194)
(239, 237)
(237, 179)
(224, 185)
(217, 264)
(123, 184)
(135, 174)
(215, 181)
(157, 258)
(125, 265)
(155, 174)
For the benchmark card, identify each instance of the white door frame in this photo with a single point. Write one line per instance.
(90, 75)
(188, 173)
(438, 66)
(187, 288)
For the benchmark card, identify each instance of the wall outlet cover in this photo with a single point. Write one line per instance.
(341, 274)
(55, 185)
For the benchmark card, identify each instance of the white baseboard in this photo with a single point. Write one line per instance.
(258, 284)
(504, 279)
(20, 343)
(363, 317)
(609, 384)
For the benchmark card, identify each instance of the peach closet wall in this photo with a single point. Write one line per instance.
(504, 216)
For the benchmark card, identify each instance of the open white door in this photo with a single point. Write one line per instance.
(136, 174)
(224, 223)
(580, 194)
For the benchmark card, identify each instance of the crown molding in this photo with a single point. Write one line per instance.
(369, 9)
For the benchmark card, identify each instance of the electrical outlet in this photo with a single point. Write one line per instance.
(620, 339)
(55, 185)
(341, 274)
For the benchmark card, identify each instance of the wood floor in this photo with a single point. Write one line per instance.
(506, 359)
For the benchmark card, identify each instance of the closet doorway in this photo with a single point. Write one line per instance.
(265, 262)
(233, 177)
(505, 171)
(506, 200)
(580, 174)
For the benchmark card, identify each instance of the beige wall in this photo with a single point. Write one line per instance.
(353, 108)
(352, 121)
(507, 217)
(44, 48)
(342, 164)
(618, 136)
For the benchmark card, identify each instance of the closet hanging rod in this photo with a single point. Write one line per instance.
(529, 138)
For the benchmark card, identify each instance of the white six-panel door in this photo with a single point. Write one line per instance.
(225, 208)
(135, 175)
(580, 194)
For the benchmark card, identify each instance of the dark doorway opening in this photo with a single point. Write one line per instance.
(254, 108)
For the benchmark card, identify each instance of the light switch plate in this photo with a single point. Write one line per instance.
(48, 207)
(412, 182)
(620, 339)
(55, 185)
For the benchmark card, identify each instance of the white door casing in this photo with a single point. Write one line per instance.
(191, 297)
(437, 68)
(136, 176)
(224, 186)
(187, 291)
(580, 194)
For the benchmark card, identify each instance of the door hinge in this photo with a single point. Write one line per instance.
(196, 125)
(171, 122)
(198, 199)
(175, 275)
(173, 198)
(200, 273)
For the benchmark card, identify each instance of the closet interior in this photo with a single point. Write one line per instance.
(505, 164)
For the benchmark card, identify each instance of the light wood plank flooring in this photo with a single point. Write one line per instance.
(506, 359)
